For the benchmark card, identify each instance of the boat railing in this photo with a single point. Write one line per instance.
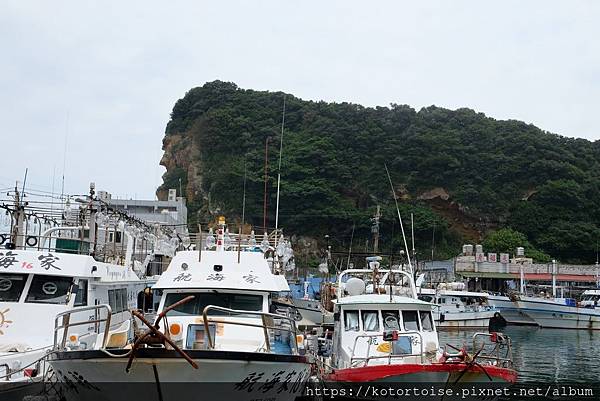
(372, 340)
(63, 322)
(107, 252)
(380, 277)
(7, 371)
(269, 322)
(496, 351)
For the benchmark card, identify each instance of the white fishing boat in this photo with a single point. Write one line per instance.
(555, 310)
(311, 310)
(384, 333)
(560, 313)
(456, 308)
(52, 273)
(215, 334)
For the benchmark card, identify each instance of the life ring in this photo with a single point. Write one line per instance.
(31, 241)
(3, 238)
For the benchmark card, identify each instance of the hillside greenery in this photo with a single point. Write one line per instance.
(498, 174)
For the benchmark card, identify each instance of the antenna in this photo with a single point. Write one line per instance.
(244, 197)
(266, 181)
(412, 233)
(399, 218)
(24, 181)
(62, 191)
(433, 240)
(279, 171)
(350, 249)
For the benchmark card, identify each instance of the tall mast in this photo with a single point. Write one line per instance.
(279, 170)
(400, 220)
(266, 183)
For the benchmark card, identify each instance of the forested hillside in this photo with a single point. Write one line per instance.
(462, 174)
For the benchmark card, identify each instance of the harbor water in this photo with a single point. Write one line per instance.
(546, 355)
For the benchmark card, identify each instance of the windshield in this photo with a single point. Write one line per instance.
(49, 289)
(370, 320)
(201, 300)
(11, 286)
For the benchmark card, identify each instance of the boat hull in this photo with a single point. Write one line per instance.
(549, 314)
(417, 373)
(312, 312)
(91, 375)
(18, 385)
(464, 320)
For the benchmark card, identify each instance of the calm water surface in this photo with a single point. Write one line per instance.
(547, 355)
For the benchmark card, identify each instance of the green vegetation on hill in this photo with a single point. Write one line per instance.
(497, 173)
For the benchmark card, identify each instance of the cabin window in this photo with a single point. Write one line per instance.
(81, 296)
(370, 320)
(351, 320)
(49, 289)
(244, 302)
(11, 286)
(442, 300)
(426, 321)
(426, 298)
(410, 320)
(117, 299)
(391, 320)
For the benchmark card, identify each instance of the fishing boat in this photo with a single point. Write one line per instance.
(560, 312)
(215, 333)
(456, 308)
(58, 268)
(306, 297)
(555, 310)
(385, 333)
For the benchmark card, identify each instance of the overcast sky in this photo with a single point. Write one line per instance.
(102, 77)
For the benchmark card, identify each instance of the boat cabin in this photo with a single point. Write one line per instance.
(375, 326)
(590, 298)
(38, 285)
(220, 299)
(449, 301)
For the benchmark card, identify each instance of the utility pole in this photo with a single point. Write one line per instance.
(375, 230)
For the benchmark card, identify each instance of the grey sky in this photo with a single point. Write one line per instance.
(105, 75)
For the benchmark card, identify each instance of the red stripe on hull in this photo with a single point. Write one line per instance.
(378, 372)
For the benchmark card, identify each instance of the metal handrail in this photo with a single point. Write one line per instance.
(66, 323)
(264, 325)
(8, 371)
(390, 355)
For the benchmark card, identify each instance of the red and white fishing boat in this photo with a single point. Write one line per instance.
(384, 333)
